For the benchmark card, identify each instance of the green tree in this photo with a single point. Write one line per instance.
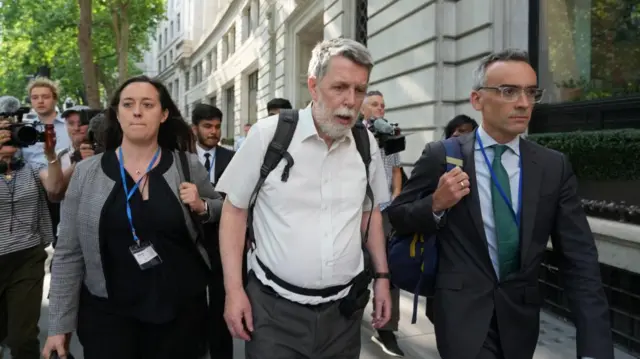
(34, 34)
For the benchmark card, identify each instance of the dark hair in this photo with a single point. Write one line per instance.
(279, 104)
(205, 112)
(457, 122)
(174, 133)
(374, 93)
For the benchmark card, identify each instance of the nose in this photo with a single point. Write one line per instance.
(137, 110)
(523, 100)
(350, 98)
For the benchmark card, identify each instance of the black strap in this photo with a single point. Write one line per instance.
(277, 150)
(310, 292)
(361, 137)
(186, 173)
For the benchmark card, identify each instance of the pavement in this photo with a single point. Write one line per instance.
(557, 338)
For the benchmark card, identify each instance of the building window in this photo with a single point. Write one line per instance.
(172, 33)
(214, 59)
(186, 81)
(164, 59)
(230, 96)
(232, 40)
(159, 66)
(588, 49)
(361, 21)
(166, 36)
(170, 56)
(248, 22)
(178, 22)
(253, 97)
(176, 87)
(159, 42)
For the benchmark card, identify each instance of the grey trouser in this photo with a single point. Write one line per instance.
(392, 325)
(288, 330)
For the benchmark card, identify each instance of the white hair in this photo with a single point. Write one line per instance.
(324, 51)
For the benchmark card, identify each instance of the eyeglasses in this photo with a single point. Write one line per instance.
(513, 93)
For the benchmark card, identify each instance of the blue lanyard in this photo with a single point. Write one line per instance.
(516, 216)
(128, 193)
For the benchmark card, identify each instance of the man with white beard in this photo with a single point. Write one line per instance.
(306, 292)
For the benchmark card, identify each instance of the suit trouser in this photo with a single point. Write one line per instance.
(21, 280)
(392, 324)
(288, 330)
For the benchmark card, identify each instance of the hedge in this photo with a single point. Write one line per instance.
(598, 155)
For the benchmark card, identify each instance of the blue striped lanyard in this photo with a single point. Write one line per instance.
(129, 194)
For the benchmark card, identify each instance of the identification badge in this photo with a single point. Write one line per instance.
(145, 255)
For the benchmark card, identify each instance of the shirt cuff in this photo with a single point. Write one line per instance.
(437, 216)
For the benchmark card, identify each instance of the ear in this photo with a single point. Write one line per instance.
(165, 115)
(194, 129)
(476, 100)
(312, 84)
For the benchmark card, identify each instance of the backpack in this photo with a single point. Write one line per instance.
(277, 150)
(413, 259)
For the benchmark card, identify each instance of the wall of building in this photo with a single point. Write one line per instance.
(425, 52)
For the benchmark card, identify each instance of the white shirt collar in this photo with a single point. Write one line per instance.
(488, 141)
(202, 151)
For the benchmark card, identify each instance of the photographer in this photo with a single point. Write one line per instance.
(373, 111)
(26, 229)
(77, 129)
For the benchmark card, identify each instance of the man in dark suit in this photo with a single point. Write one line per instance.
(207, 122)
(493, 218)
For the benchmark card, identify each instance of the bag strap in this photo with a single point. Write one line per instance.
(453, 153)
(361, 137)
(277, 150)
(186, 174)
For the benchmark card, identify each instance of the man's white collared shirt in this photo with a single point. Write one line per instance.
(212, 158)
(308, 229)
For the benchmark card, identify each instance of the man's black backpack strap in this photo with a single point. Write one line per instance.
(361, 137)
(277, 150)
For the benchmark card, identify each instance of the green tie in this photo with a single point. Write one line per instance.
(507, 231)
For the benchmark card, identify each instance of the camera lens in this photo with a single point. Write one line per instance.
(27, 135)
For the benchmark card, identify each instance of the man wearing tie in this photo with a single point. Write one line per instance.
(207, 122)
(493, 218)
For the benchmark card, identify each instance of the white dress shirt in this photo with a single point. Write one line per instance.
(212, 158)
(307, 229)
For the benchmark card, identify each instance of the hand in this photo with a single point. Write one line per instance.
(57, 343)
(50, 147)
(5, 135)
(381, 303)
(86, 151)
(237, 313)
(189, 196)
(452, 186)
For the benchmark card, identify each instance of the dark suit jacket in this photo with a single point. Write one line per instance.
(467, 290)
(223, 157)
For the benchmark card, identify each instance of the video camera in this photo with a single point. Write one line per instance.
(87, 114)
(388, 135)
(22, 134)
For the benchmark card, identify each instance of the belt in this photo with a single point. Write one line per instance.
(322, 292)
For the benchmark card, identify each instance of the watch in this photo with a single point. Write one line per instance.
(381, 275)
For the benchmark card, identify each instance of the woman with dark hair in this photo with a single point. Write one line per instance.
(460, 125)
(128, 272)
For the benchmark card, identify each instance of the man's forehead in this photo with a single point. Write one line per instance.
(511, 72)
(40, 90)
(375, 99)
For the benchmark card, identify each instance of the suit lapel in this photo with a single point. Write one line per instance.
(472, 201)
(531, 173)
(220, 164)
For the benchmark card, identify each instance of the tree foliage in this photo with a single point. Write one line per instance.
(45, 33)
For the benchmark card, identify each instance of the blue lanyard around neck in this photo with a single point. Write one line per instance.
(130, 193)
(503, 194)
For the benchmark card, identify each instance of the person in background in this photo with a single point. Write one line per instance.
(129, 272)
(372, 108)
(274, 106)
(25, 231)
(206, 124)
(240, 139)
(460, 125)
(78, 134)
(43, 95)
